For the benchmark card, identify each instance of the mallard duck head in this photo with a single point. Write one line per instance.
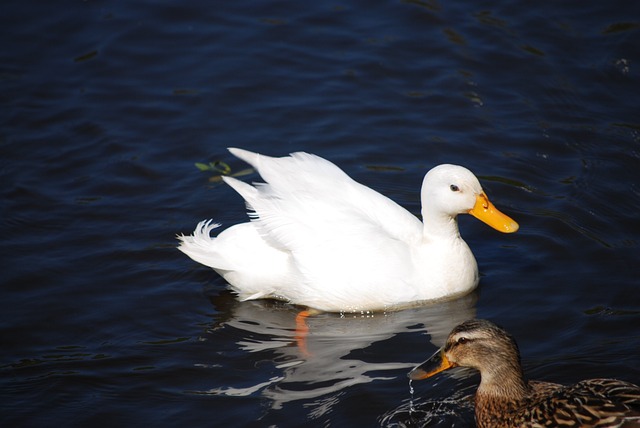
(481, 345)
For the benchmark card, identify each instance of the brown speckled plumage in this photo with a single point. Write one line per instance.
(505, 399)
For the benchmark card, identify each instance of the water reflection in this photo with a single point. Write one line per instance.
(342, 349)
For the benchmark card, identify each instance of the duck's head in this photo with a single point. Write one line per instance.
(478, 344)
(451, 190)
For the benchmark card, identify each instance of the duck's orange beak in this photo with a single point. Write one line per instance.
(486, 212)
(436, 364)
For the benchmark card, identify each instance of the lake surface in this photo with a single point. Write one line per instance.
(106, 108)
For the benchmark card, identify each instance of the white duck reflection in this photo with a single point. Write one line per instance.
(336, 346)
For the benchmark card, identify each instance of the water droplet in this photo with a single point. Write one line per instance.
(411, 391)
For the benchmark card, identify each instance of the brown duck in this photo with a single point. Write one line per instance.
(505, 399)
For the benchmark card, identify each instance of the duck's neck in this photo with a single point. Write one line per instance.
(503, 380)
(499, 400)
(439, 225)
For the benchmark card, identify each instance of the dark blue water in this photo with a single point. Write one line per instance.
(106, 108)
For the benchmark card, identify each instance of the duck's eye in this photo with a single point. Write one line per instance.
(454, 188)
(462, 340)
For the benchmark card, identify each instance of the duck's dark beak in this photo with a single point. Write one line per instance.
(436, 364)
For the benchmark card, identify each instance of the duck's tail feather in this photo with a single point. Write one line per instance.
(199, 246)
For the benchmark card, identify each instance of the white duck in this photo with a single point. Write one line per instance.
(320, 239)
